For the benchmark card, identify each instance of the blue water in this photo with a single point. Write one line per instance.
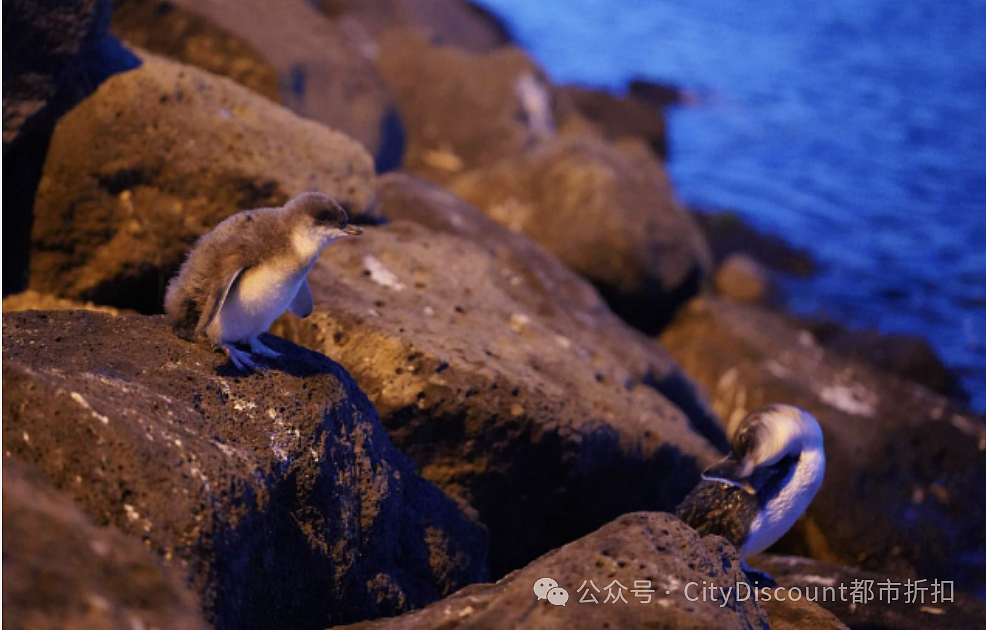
(854, 129)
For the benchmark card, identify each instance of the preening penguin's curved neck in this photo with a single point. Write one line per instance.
(781, 511)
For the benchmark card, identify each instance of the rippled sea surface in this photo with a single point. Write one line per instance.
(854, 129)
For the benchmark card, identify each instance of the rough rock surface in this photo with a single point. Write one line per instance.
(743, 279)
(618, 117)
(33, 301)
(55, 52)
(908, 357)
(800, 615)
(61, 571)
(463, 110)
(278, 496)
(903, 489)
(158, 156)
(607, 212)
(167, 29)
(657, 94)
(727, 234)
(322, 73)
(922, 610)
(458, 23)
(643, 547)
(502, 374)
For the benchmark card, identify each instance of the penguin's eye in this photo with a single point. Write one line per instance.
(326, 217)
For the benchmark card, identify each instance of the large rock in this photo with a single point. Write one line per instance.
(463, 110)
(459, 23)
(322, 73)
(158, 156)
(33, 301)
(277, 496)
(61, 571)
(503, 375)
(728, 234)
(607, 212)
(640, 552)
(911, 358)
(743, 279)
(174, 31)
(903, 489)
(863, 599)
(54, 54)
(617, 116)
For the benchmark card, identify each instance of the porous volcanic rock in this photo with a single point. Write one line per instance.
(277, 496)
(883, 601)
(903, 491)
(158, 156)
(322, 73)
(171, 30)
(61, 571)
(606, 211)
(55, 53)
(503, 375)
(463, 110)
(458, 23)
(635, 550)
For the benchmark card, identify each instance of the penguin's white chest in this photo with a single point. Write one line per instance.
(258, 297)
(780, 513)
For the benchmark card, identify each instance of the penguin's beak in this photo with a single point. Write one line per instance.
(745, 468)
(352, 230)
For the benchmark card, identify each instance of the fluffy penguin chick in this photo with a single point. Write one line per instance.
(252, 267)
(753, 496)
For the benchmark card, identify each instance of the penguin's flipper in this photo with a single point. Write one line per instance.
(303, 303)
(214, 303)
(729, 471)
(761, 480)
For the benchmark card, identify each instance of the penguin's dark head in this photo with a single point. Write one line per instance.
(770, 433)
(321, 216)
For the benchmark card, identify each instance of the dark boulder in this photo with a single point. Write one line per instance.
(639, 552)
(606, 211)
(728, 234)
(503, 375)
(864, 600)
(171, 30)
(463, 110)
(657, 94)
(903, 491)
(908, 357)
(158, 156)
(743, 279)
(617, 116)
(277, 496)
(55, 53)
(322, 73)
(61, 571)
(459, 23)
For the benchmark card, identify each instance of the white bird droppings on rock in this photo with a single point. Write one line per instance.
(855, 400)
(77, 397)
(380, 274)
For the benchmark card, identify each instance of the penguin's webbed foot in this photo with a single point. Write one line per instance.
(242, 360)
(759, 578)
(260, 349)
